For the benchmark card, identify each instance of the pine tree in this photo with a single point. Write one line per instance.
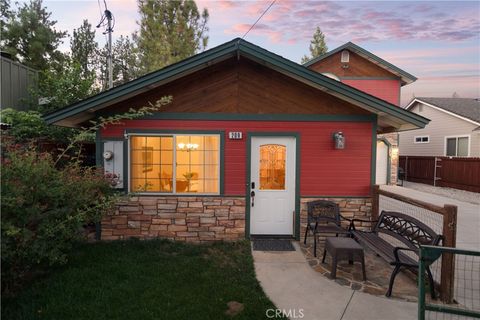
(31, 38)
(169, 32)
(317, 46)
(84, 48)
(125, 61)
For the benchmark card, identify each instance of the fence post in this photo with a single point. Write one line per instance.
(448, 260)
(375, 202)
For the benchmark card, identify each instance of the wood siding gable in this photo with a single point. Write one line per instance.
(242, 87)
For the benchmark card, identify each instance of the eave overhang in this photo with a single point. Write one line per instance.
(390, 117)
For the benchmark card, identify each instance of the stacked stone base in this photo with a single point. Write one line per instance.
(360, 208)
(192, 219)
(202, 219)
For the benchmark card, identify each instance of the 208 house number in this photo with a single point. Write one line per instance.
(235, 135)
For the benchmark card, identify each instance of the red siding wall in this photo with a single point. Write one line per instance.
(324, 170)
(388, 90)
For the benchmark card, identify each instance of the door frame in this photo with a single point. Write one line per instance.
(389, 160)
(296, 135)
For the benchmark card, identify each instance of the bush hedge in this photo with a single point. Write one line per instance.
(43, 210)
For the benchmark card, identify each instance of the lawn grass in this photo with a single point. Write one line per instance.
(155, 279)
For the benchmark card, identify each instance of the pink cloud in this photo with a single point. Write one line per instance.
(228, 4)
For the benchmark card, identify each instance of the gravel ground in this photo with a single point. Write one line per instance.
(461, 195)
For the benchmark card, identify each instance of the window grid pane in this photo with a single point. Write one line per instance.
(195, 170)
(451, 147)
(462, 150)
(151, 164)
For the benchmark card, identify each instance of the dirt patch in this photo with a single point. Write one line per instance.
(234, 308)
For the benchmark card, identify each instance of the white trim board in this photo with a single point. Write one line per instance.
(440, 109)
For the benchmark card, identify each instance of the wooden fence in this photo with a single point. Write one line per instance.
(449, 230)
(458, 173)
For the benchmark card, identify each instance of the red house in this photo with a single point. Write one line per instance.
(248, 139)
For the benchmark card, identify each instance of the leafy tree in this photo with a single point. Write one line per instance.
(84, 47)
(5, 15)
(169, 32)
(317, 46)
(29, 125)
(31, 38)
(60, 88)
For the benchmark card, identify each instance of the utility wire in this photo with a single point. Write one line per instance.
(253, 25)
(100, 8)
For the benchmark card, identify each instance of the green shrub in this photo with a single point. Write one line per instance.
(43, 211)
(28, 125)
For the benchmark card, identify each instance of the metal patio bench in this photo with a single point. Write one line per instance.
(323, 217)
(404, 229)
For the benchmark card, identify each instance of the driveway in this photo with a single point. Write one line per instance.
(468, 215)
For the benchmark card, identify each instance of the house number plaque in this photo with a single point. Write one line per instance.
(235, 135)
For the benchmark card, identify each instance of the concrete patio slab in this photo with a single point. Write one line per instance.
(365, 306)
(292, 285)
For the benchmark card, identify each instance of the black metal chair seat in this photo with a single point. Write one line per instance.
(331, 229)
(323, 217)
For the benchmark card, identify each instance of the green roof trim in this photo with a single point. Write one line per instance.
(237, 47)
(407, 77)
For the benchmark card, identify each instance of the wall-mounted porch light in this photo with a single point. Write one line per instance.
(339, 140)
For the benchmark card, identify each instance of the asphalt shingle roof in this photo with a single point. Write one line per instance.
(466, 107)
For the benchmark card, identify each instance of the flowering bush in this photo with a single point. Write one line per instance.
(44, 209)
(46, 201)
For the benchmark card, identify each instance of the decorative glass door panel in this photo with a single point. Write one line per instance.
(272, 167)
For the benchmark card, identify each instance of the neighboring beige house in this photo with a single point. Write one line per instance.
(454, 128)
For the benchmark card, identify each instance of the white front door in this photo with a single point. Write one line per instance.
(272, 181)
(382, 163)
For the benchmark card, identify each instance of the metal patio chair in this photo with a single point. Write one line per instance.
(323, 217)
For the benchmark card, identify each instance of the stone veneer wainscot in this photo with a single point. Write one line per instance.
(201, 219)
(193, 219)
(360, 208)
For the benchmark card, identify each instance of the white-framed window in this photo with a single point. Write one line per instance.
(174, 163)
(421, 139)
(457, 146)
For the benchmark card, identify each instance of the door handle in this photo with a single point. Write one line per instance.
(252, 198)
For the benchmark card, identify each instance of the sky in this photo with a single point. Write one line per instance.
(436, 41)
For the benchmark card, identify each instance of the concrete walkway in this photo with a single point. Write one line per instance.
(468, 215)
(292, 286)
